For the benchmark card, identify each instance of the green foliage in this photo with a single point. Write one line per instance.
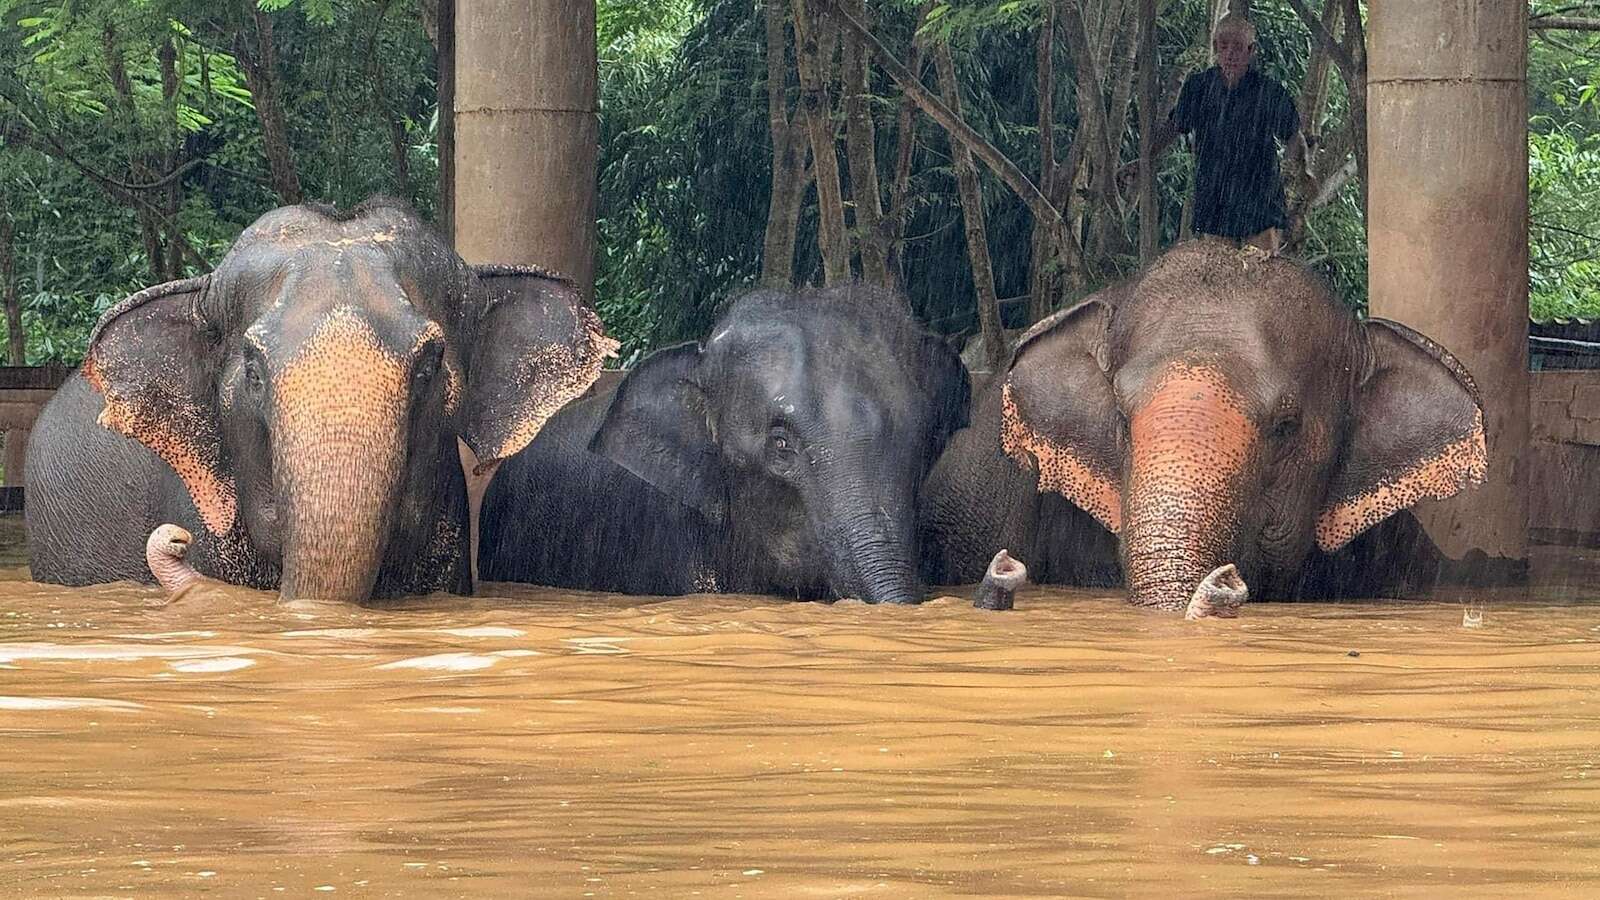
(1564, 175)
(684, 155)
(345, 66)
(1564, 207)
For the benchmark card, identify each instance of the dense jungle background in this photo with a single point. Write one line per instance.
(138, 137)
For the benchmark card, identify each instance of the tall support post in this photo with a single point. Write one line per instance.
(527, 134)
(1448, 230)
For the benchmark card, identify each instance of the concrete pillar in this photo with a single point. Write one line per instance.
(1448, 228)
(527, 134)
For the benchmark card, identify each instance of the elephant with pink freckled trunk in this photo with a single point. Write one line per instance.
(299, 410)
(1221, 407)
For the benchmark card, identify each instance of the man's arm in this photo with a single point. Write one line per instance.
(1164, 135)
(1177, 122)
(1298, 153)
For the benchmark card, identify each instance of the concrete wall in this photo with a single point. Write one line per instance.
(1564, 458)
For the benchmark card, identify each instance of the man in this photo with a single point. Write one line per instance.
(1235, 114)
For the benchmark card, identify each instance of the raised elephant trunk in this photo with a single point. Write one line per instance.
(339, 459)
(1191, 443)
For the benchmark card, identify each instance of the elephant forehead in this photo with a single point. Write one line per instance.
(285, 332)
(344, 361)
(1194, 427)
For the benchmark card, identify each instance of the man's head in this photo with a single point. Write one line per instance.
(1234, 43)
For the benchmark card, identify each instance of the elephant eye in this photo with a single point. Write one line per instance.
(252, 374)
(427, 364)
(781, 446)
(1286, 428)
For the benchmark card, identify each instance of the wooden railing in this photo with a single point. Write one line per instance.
(24, 390)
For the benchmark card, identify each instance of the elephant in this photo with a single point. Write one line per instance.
(781, 456)
(1222, 406)
(299, 408)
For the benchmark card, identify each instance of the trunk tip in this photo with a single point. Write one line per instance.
(1219, 594)
(1000, 583)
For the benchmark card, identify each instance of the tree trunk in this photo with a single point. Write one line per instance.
(861, 144)
(1350, 55)
(384, 104)
(146, 213)
(1110, 235)
(788, 188)
(816, 39)
(1149, 223)
(957, 128)
(994, 341)
(1303, 191)
(446, 123)
(1068, 178)
(15, 338)
(16, 439)
(172, 160)
(259, 63)
(1355, 44)
(905, 145)
(1314, 90)
(1101, 151)
(1043, 278)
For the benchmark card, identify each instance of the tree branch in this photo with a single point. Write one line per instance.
(50, 145)
(1560, 23)
(959, 130)
(1341, 57)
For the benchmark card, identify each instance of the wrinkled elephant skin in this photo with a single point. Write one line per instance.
(1219, 407)
(298, 409)
(780, 456)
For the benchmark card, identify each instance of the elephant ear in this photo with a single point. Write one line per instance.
(1416, 433)
(1059, 414)
(153, 357)
(659, 428)
(948, 389)
(537, 348)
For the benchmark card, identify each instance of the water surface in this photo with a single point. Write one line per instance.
(559, 744)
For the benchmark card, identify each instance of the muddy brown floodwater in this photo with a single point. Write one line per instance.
(534, 742)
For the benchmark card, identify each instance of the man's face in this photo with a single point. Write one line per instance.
(1234, 53)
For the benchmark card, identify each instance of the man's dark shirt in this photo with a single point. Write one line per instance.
(1237, 189)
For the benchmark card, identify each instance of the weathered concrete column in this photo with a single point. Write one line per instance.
(527, 134)
(1448, 227)
(526, 148)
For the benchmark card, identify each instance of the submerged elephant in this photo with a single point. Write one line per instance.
(1219, 408)
(298, 409)
(781, 456)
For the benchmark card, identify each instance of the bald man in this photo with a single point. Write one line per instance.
(1237, 115)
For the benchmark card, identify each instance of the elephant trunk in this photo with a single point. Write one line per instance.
(868, 533)
(1192, 446)
(339, 455)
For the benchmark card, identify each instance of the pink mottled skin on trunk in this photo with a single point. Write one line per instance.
(1192, 443)
(164, 553)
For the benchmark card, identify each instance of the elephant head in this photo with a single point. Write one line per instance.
(311, 390)
(1225, 408)
(801, 431)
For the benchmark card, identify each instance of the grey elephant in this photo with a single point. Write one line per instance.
(1220, 407)
(298, 410)
(781, 456)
